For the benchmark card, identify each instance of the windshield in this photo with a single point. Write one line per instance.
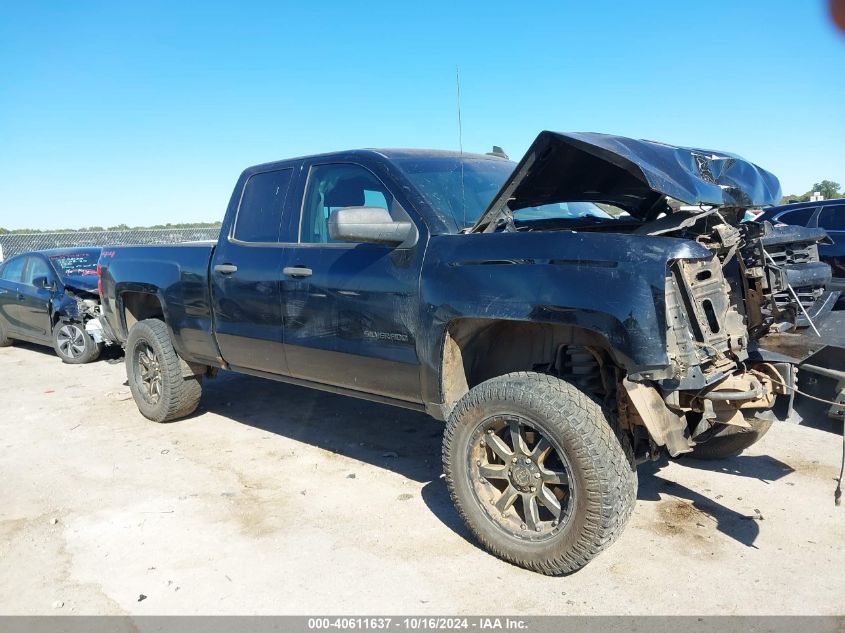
(465, 197)
(76, 264)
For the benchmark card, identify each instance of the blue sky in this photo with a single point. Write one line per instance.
(146, 112)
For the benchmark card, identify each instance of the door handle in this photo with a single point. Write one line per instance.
(297, 271)
(225, 269)
(21, 297)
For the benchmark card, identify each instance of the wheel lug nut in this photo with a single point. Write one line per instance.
(482, 442)
(536, 475)
(538, 529)
(527, 461)
(478, 462)
(490, 431)
(514, 460)
(554, 523)
(533, 488)
(523, 526)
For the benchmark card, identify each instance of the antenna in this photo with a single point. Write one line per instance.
(461, 145)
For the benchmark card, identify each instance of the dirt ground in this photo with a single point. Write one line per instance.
(278, 499)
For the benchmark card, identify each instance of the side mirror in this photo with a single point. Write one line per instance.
(372, 225)
(43, 282)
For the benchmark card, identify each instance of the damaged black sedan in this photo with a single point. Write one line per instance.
(51, 298)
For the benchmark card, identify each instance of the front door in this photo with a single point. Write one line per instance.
(246, 277)
(351, 310)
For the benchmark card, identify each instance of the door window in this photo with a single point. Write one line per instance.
(832, 218)
(37, 268)
(332, 187)
(13, 270)
(260, 214)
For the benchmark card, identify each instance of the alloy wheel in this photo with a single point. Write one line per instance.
(520, 477)
(149, 372)
(71, 340)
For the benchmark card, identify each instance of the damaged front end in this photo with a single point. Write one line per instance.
(759, 282)
(81, 306)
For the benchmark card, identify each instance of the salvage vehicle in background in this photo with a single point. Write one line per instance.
(51, 298)
(824, 214)
(562, 342)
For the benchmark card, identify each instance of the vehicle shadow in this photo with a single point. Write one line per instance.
(403, 441)
(111, 354)
(408, 443)
(761, 467)
(743, 528)
(32, 347)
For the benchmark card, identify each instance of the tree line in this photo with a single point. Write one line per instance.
(827, 188)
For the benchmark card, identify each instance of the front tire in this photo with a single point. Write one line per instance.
(74, 345)
(163, 385)
(537, 473)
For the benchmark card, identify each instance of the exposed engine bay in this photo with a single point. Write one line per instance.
(761, 280)
(81, 306)
(729, 318)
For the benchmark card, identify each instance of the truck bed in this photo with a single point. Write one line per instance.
(178, 275)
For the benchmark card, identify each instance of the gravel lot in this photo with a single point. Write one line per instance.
(278, 499)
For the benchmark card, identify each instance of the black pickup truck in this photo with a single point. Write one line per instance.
(559, 314)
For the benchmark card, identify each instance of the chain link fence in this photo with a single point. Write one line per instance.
(16, 243)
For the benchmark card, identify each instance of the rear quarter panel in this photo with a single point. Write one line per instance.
(178, 276)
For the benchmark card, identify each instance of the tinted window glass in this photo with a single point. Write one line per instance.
(37, 268)
(332, 187)
(832, 218)
(260, 213)
(799, 217)
(13, 270)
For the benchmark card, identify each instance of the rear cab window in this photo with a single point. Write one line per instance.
(260, 213)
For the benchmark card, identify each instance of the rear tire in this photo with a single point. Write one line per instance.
(5, 341)
(731, 445)
(510, 444)
(74, 345)
(163, 385)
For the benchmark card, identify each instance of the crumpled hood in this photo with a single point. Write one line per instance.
(632, 174)
(87, 283)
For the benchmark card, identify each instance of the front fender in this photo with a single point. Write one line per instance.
(610, 284)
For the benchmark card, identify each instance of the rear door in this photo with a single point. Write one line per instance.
(246, 275)
(34, 300)
(351, 310)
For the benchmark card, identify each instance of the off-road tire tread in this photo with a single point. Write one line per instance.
(181, 388)
(611, 480)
